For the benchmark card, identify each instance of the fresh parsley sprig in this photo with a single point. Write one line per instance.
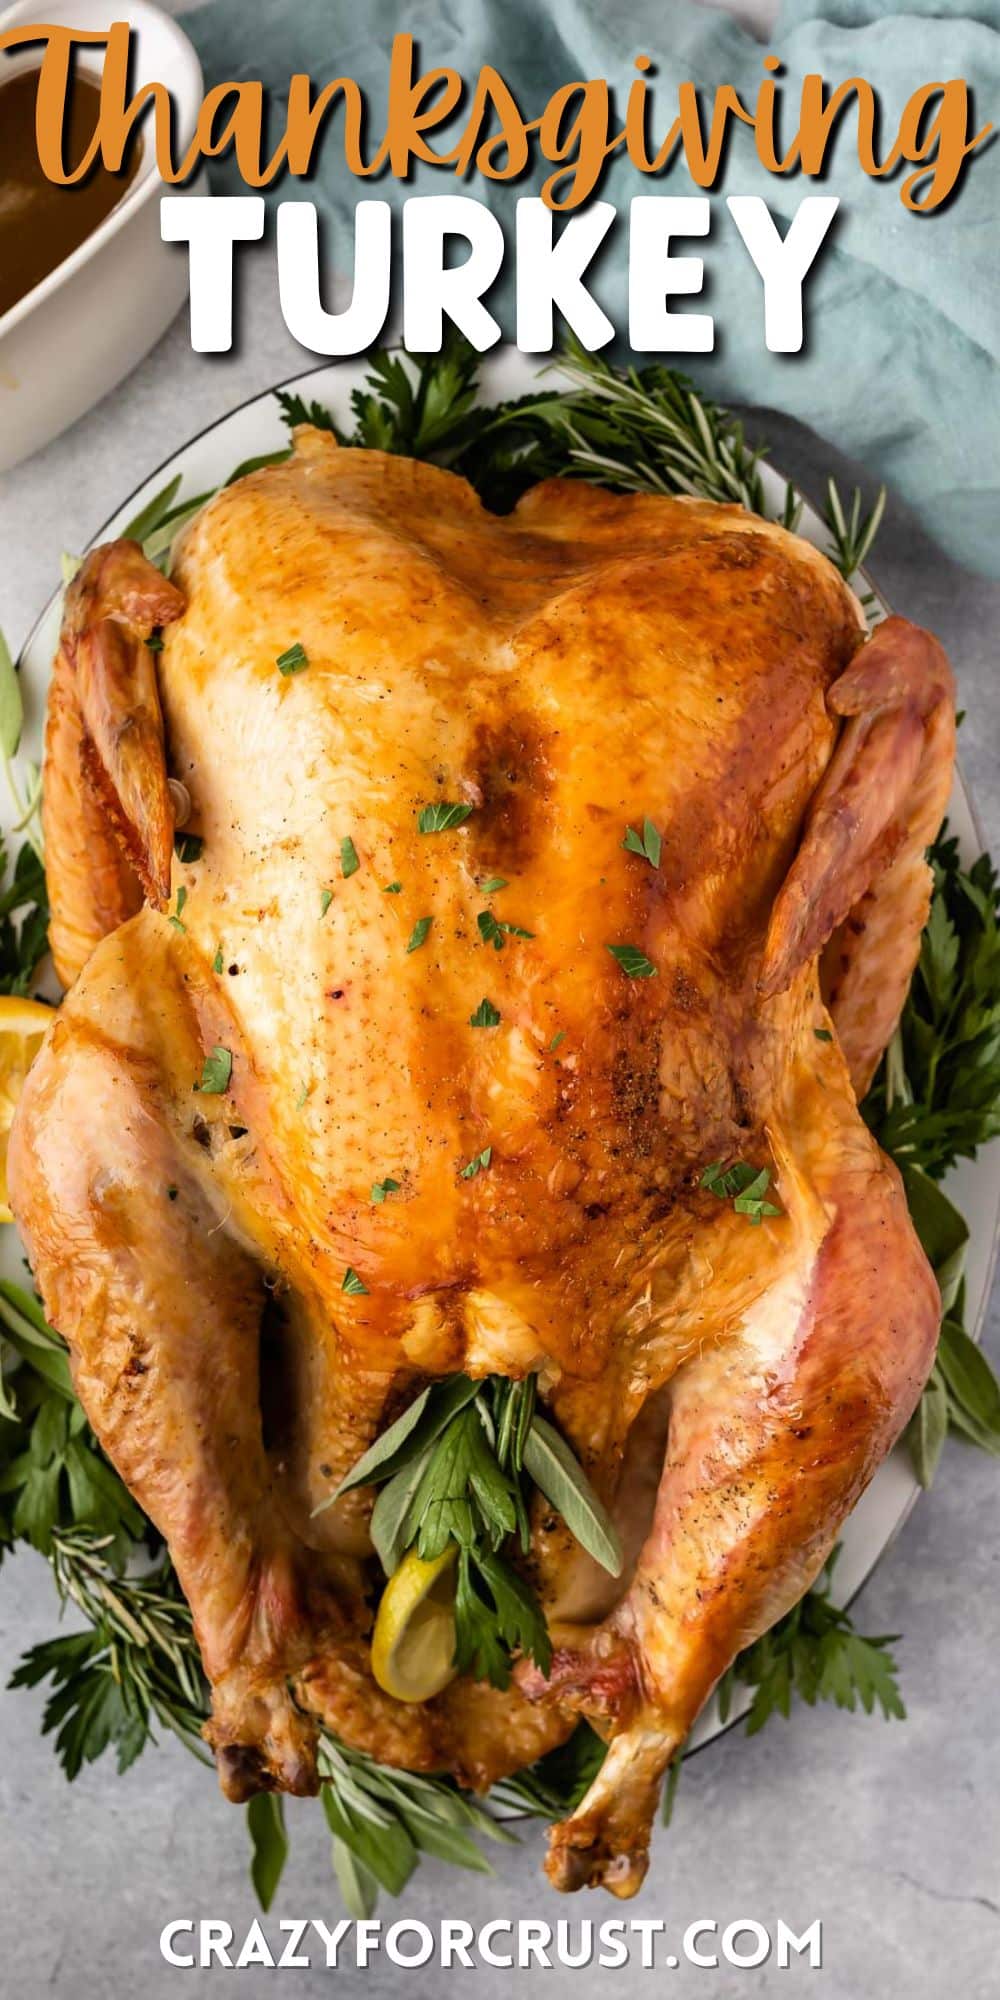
(815, 1653)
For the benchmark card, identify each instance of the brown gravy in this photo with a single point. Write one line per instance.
(41, 224)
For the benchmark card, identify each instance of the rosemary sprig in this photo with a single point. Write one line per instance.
(851, 532)
(134, 1666)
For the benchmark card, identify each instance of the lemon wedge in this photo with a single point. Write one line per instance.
(23, 1027)
(413, 1644)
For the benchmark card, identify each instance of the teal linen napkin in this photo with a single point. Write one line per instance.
(900, 367)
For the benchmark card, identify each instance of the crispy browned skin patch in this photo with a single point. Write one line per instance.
(588, 662)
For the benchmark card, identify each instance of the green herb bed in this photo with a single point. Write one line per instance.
(132, 1671)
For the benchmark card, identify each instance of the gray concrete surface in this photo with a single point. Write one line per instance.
(889, 1833)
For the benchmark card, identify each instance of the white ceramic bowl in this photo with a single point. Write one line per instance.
(74, 335)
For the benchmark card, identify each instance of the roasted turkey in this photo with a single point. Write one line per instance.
(730, 1384)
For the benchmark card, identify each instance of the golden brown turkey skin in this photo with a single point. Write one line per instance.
(582, 665)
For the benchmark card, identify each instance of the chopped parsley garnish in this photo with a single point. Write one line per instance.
(418, 935)
(647, 843)
(442, 816)
(633, 962)
(493, 931)
(495, 882)
(745, 1186)
(303, 1094)
(188, 846)
(325, 899)
(293, 660)
(175, 918)
(822, 1034)
(381, 1188)
(391, 888)
(485, 1016)
(154, 644)
(476, 1164)
(559, 1036)
(217, 961)
(354, 1286)
(349, 863)
(216, 1073)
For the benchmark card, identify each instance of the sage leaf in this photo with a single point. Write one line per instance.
(927, 1430)
(386, 1851)
(153, 513)
(446, 1843)
(161, 540)
(398, 1444)
(357, 1884)
(558, 1474)
(973, 1390)
(269, 1841)
(11, 704)
(389, 1525)
(943, 1232)
(28, 1332)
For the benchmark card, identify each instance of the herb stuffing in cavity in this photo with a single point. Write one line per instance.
(456, 1468)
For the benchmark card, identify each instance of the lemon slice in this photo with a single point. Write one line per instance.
(413, 1644)
(23, 1027)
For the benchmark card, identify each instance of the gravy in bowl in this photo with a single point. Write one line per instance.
(41, 224)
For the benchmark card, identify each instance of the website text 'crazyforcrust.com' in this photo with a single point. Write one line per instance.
(650, 1942)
